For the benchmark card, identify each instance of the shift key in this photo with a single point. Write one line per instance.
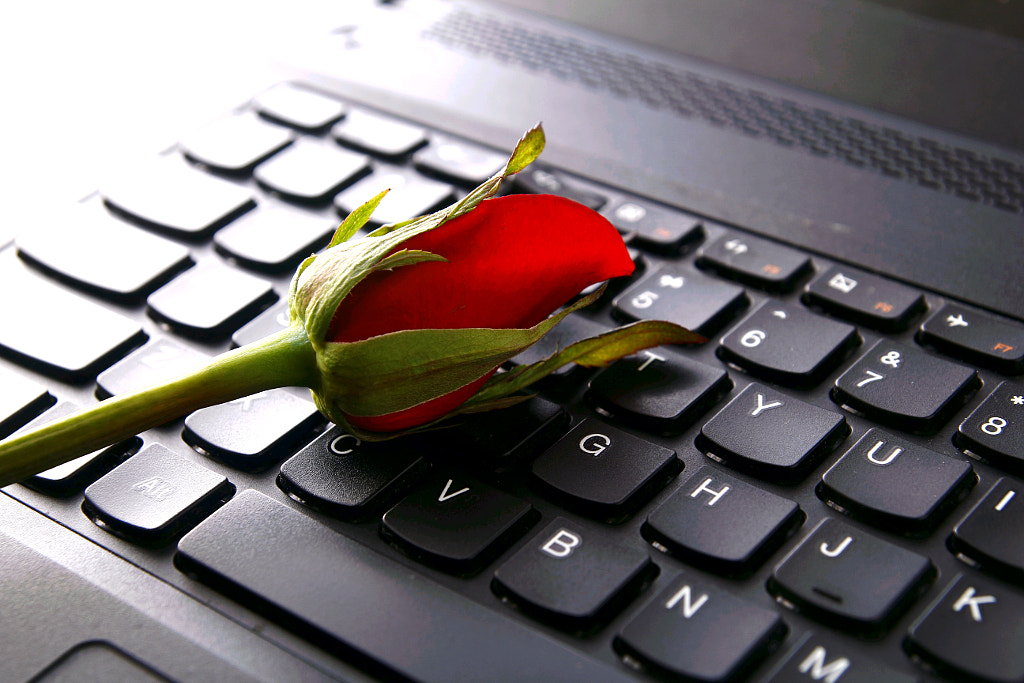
(365, 602)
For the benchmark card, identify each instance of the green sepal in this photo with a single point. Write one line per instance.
(528, 149)
(399, 370)
(322, 282)
(597, 351)
(505, 389)
(407, 257)
(356, 220)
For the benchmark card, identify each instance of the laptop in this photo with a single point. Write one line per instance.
(827, 489)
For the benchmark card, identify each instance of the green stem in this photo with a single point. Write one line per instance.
(282, 359)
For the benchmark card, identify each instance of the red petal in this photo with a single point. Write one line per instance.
(512, 261)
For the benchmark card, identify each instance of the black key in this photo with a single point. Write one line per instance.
(348, 478)
(456, 523)
(378, 134)
(410, 195)
(39, 317)
(537, 179)
(234, 144)
(656, 228)
(788, 345)
(185, 304)
(694, 630)
(572, 329)
(278, 560)
(995, 429)
(298, 107)
(722, 524)
(850, 579)
(21, 399)
(273, 239)
(604, 472)
(154, 495)
(158, 361)
(497, 441)
(976, 337)
(657, 390)
(102, 255)
(813, 658)
(252, 432)
(896, 484)
(755, 261)
(72, 476)
(170, 196)
(771, 435)
(310, 171)
(991, 535)
(972, 632)
(905, 387)
(272, 320)
(571, 578)
(865, 298)
(459, 161)
(693, 300)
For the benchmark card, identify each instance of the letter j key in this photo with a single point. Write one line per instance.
(844, 576)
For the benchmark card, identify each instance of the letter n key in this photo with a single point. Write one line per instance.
(666, 635)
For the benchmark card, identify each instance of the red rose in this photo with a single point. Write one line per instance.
(399, 329)
(511, 262)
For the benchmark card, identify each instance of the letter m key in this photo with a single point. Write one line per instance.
(815, 666)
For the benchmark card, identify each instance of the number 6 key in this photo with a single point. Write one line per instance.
(905, 387)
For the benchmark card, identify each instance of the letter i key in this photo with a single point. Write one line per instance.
(991, 535)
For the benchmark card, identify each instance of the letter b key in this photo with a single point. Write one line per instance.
(573, 579)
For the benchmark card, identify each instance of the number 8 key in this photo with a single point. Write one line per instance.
(995, 430)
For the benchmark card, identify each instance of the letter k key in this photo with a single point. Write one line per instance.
(971, 631)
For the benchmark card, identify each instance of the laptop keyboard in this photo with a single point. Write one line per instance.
(825, 488)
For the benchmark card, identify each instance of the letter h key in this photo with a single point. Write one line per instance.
(722, 524)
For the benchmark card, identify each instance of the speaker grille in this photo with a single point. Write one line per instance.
(658, 85)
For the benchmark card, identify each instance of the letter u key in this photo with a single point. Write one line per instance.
(873, 454)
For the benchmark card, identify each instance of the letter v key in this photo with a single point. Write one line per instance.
(448, 496)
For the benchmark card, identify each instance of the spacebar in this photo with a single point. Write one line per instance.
(259, 548)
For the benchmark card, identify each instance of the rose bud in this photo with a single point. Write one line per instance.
(400, 329)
